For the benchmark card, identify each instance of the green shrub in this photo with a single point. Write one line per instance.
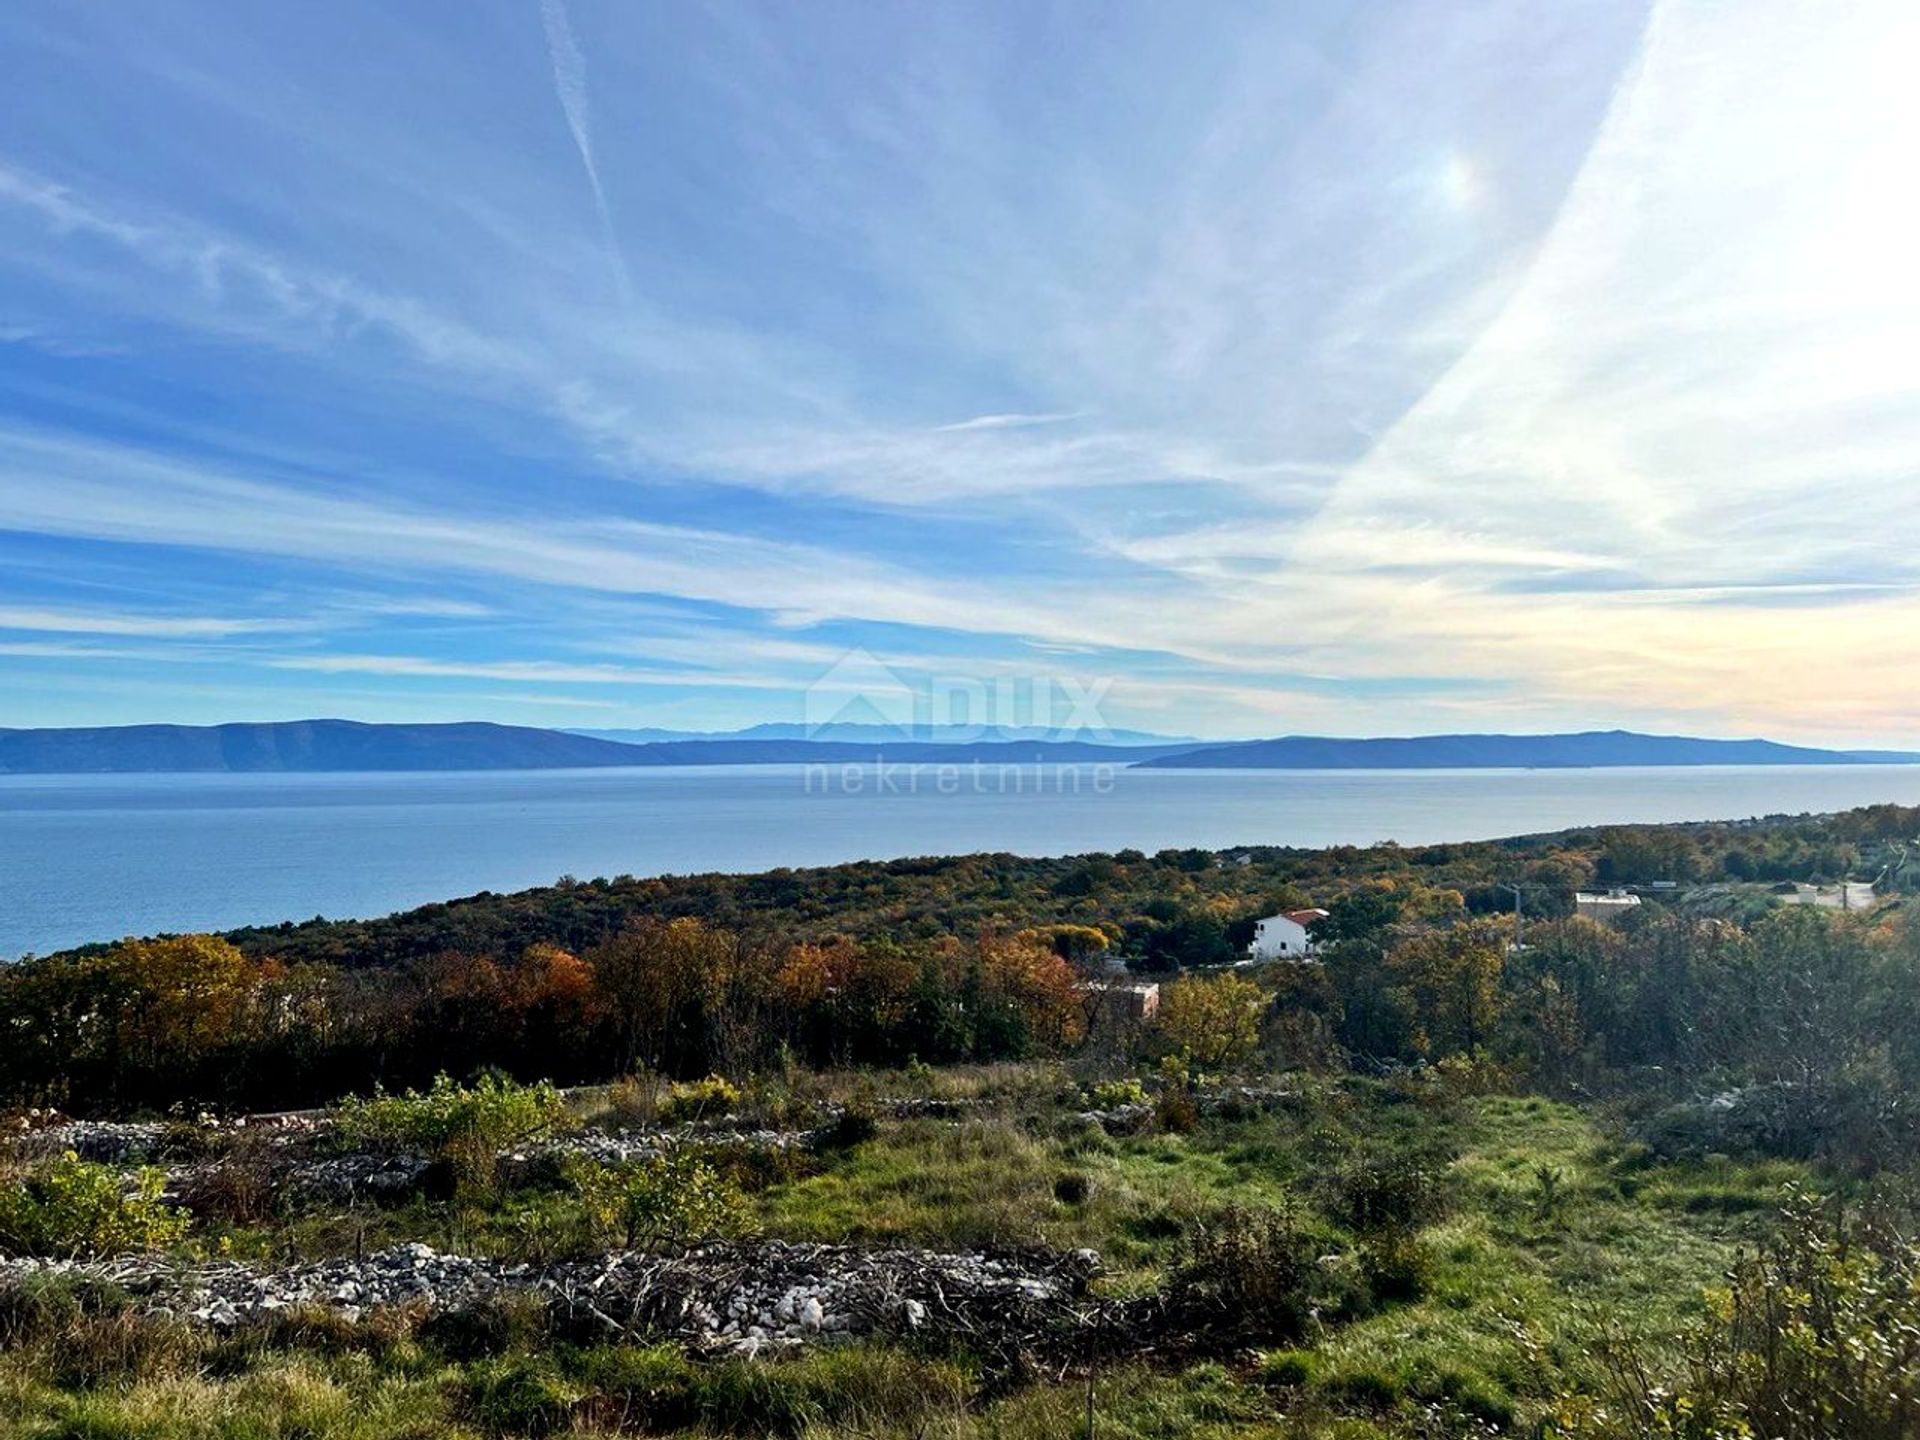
(699, 1100)
(1249, 1270)
(1816, 1335)
(494, 1109)
(71, 1207)
(465, 1126)
(671, 1200)
(1395, 1265)
(1382, 1191)
(1112, 1094)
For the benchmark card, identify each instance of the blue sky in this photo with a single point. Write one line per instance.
(1342, 368)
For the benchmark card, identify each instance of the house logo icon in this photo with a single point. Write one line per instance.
(861, 689)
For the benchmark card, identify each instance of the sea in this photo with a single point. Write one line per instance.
(97, 857)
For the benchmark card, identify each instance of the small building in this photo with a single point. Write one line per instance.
(1285, 937)
(1122, 1002)
(1605, 906)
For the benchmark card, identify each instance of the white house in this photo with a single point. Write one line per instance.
(1612, 905)
(1284, 937)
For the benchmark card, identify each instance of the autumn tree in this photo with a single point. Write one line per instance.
(1214, 1020)
(1079, 945)
(1033, 983)
(1452, 979)
(657, 980)
(557, 1008)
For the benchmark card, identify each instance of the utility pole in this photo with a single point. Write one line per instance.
(1519, 917)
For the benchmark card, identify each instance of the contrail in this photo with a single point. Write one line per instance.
(570, 84)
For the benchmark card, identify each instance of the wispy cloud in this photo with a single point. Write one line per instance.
(1008, 422)
(77, 622)
(570, 84)
(1448, 365)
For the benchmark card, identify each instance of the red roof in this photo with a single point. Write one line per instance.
(1306, 917)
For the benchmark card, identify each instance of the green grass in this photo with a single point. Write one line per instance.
(1548, 1224)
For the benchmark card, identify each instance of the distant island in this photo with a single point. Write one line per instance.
(869, 734)
(347, 745)
(1591, 749)
(291, 745)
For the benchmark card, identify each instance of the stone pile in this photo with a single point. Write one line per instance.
(138, 1142)
(109, 1142)
(359, 1175)
(1243, 1097)
(286, 1154)
(749, 1298)
(1126, 1119)
(735, 1298)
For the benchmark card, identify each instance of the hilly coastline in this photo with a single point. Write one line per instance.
(1590, 749)
(346, 745)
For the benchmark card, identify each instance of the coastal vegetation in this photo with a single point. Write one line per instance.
(1647, 1178)
(981, 958)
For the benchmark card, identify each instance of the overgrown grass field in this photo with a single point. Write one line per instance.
(1472, 1253)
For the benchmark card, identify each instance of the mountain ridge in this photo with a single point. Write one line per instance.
(1586, 749)
(864, 733)
(298, 746)
(303, 746)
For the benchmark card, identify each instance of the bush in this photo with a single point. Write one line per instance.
(72, 1207)
(699, 1100)
(1112, 1094)
(1175, 1112)
(1250, 1270)
(1817, 1335)
(1395, 1265)
(1395, 1190)
(671, 1200)
(495, 1109)
(465, 1126)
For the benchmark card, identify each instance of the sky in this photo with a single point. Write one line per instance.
(1238, 369)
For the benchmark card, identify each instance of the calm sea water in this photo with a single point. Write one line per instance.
(96, 857)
